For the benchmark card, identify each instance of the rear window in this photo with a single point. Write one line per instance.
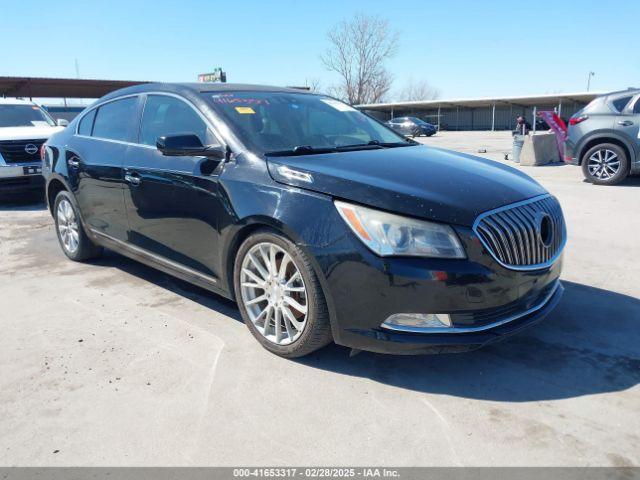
(86, 124)
(620, 103)
(113, 120)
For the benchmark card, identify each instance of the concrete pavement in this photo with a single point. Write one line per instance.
(112, 363)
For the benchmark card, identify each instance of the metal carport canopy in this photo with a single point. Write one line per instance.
(60, 87)
(526, 101)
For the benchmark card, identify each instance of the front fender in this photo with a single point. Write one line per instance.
(309, 219)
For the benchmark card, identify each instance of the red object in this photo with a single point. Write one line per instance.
(577, 120)
(558, 126)
(42, 152)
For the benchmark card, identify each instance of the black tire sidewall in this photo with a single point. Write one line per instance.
(316, 305)
(622, 173)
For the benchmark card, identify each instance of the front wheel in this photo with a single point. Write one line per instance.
(71, 235)
(605, 164)
(279, 296)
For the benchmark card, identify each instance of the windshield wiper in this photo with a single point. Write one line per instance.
(310, 150)
(301, 150)
(408, 143)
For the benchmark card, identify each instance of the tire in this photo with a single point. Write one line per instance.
(600, 172)
(293, 341)
(73, 240)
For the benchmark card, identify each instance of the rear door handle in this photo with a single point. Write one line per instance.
(133, 178)
(625, 123)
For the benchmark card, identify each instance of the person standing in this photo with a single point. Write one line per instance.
(519, 132)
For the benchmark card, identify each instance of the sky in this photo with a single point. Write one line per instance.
(463, 48)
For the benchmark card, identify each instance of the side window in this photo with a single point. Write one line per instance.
(86, 124)
(164, 115)
(113, 119)
(636, 107)
(620, 103)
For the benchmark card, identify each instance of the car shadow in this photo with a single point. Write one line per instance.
(631, 181)
(589, 345)
(30, 201)
(168, 282)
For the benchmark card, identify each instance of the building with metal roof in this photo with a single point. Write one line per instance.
(485, 113)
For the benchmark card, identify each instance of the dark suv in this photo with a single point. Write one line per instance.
(322, 223)
(604, 138)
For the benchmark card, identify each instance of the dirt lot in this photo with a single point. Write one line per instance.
(113, 363)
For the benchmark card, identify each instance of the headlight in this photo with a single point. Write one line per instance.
(387, 234)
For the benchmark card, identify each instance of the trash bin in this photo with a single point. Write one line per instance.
(518, 142)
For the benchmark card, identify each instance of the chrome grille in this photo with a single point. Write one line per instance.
(526, 235)
(14, 151)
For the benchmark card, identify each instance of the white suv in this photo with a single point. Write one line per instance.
(24, 127)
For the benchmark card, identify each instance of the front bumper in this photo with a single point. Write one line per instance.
(459, 340)
(20, 177)
(487, 302)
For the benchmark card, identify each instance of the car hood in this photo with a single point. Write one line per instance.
(28, 133)
(419, 181)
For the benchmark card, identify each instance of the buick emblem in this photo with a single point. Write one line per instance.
(545, 229)
(31, 149)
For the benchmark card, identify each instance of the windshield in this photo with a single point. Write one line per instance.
(281, 121)
(24, 116)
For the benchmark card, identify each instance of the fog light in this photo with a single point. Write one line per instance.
(417, 321)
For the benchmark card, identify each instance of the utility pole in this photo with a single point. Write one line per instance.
(591, 74)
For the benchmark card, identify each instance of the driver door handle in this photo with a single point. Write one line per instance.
(132, 178)
(625, 123)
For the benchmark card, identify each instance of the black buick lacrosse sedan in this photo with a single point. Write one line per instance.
(321, 222)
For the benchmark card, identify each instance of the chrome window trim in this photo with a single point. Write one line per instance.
(121, 142)
(155, 257)
(210, 125)
(85, 113)
(538, 266)
(511, 318)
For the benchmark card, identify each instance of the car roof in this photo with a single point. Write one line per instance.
(628, 91)
(15, 101)
(198, 88)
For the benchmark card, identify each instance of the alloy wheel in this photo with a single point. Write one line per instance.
(68, 226)
(603, 164)
(273, 293)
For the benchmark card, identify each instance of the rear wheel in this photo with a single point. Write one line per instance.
(279, 296)
(71, 235)
(605, 164)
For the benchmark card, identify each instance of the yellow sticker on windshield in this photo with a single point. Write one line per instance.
(244, 110)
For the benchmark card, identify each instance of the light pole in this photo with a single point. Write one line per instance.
(591, 74)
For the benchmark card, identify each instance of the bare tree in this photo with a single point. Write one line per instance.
(358, 52)
(420, 90)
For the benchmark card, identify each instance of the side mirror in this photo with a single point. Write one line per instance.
(188, 145)
(61, 122)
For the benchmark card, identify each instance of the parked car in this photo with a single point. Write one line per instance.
(604, 138)
(412, 126)
(322, 223)
(24, 127)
